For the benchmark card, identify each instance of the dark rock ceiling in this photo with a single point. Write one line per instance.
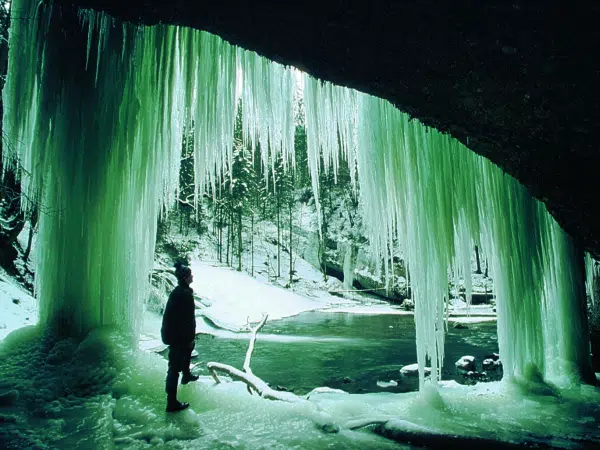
(517, 81)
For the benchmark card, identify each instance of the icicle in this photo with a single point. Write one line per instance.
(99, 145)
(330, 129)
(592, 277)
(268, 108)
(439, 194)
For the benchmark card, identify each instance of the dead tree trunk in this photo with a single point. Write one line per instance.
(477, 260)
(253, 383)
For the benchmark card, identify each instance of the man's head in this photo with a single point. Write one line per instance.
(183, 273)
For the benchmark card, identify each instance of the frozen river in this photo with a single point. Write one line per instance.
(352, 352)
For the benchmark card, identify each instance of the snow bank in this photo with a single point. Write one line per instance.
(465, 363)
(131, 414)
(235, 297)
(368, 310)
(63, 388)
(471, 319)
(96, 393)
(18, 308)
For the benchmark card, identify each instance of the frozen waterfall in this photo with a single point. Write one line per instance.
(96, 109)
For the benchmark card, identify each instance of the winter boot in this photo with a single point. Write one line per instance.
(188, 377)
(174, 405)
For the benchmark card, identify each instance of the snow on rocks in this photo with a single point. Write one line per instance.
(467, 369)
(408, 304)
(387, 384)
(412, 370)
(324, 390)
(492, 364)
(466, 363)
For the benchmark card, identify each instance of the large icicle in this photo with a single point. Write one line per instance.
(94, 111)
(436, 194)
(405, 176)
(330, 129)
(267, 105)
(437, 199)
(592, 278)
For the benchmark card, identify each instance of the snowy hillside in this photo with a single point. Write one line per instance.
(17, 307)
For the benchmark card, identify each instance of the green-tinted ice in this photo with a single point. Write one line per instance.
(96, 110)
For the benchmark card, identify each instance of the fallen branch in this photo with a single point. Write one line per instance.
(253, 382)
(246, 376)
(365, 422)
(254, 332)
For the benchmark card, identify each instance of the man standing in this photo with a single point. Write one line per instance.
(178, 332)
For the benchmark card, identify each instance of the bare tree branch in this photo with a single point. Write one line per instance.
(254, 332)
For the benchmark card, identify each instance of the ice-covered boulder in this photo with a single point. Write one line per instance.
(408, 304)
(324, 391)
(466, 363)
(490, 364)
(413, 370)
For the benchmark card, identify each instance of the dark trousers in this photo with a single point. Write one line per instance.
(180, 356)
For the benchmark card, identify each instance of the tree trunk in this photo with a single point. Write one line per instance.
(252, 243)
(180, 207)
(229, 225)
(291, 242)
(477, 260)
(32, 224)
(187, 222)
(199, 219)
(220, 230)
(323, 245)
(240, 246)
(278, 237)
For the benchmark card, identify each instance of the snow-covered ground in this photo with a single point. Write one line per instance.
(81, 396)
(231, 299)
(17, 307)
(97, 394)
(234, 297)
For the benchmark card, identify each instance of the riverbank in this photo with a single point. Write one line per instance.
(229, 300)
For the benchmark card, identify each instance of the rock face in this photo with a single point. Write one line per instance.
(362, 266)
(516, 82)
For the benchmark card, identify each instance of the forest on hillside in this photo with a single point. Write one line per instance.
(277, 193)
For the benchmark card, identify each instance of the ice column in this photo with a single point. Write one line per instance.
(93, 110)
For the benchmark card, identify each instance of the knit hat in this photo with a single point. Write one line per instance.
(182, 271)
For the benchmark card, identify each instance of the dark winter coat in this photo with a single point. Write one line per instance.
(179, 320)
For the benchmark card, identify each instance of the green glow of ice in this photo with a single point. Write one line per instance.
(97, 114)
